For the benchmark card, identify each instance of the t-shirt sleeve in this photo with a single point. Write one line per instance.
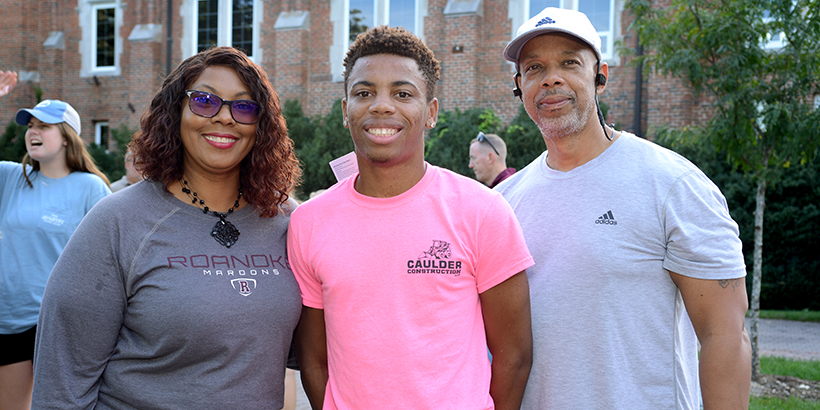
(97, 190)
(502, 249)
(6, 171)
(80, 318)
(702, 237)
(298, 257)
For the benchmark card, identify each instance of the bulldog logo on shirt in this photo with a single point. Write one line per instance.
(439, 250)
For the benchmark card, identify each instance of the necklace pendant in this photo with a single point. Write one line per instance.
(225, 233)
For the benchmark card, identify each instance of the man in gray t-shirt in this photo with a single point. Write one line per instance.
(637, 257)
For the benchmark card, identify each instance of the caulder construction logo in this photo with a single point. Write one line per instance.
(435, 260)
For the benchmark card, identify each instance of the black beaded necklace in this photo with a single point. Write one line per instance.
(223, 231)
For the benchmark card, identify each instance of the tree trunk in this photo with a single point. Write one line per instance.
(757, 274)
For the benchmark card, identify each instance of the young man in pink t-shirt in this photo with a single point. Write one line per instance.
(409, 273)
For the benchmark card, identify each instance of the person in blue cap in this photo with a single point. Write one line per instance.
(42, 201)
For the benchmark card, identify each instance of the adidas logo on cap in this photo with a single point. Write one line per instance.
(545, 20)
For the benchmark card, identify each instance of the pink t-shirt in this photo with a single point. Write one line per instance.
(399, 281)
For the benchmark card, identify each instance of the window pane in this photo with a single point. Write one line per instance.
(403, 14)
(773, 40)
(362, 17)
(105, 37)
(537, 5)
(103, 133)
(242, 26)
(206, 24)
(598, 12)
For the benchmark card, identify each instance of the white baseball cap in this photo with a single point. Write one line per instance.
(551, 20)
(50, 112)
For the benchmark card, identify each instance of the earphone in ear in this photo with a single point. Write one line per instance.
(517, 89)
(600, 79)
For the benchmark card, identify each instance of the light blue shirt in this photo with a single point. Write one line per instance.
(35, 224)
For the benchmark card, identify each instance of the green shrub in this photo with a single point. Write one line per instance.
(524, 140)
(318, 141)
(13, 143)
(448, 144)
(112, 162)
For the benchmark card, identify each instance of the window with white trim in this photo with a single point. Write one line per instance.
(364, 14)
(101, 44)
(776, 40)
(104, 35)
(102, 134)
(226, 23)
(600, 12)
(352, 17)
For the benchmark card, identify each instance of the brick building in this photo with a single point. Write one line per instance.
(108, 57)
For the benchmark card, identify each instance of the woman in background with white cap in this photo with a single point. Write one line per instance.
(42, 201)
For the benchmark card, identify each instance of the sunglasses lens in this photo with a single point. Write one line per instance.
(204, 104)
(245, 112)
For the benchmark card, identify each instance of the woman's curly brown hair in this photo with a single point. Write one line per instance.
(398, 41)
(267, 173)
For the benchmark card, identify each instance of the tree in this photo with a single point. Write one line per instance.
(762, 88)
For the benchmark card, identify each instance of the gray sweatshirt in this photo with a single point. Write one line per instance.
(145, 310)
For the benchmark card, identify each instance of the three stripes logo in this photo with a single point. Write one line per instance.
(545, 20)
(606, 219)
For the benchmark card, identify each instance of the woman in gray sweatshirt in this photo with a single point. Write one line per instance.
(176, 293)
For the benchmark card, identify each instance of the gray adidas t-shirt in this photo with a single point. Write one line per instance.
(609, 326)
(144, 309)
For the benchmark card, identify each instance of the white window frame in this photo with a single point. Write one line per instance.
(98, 125)
(95, 26)
(88, 44)
(773, 42)
(224, 32)
(519, 11)
(340, 20)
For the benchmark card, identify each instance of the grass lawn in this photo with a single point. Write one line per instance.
(765, 403)
(799, 315)
(804, 369)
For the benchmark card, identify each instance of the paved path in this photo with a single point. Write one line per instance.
(786, 338)
(799, 340)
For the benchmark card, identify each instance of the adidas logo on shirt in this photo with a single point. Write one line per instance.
(606, 219)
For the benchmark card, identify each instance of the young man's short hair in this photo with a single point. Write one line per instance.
(397, 41)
